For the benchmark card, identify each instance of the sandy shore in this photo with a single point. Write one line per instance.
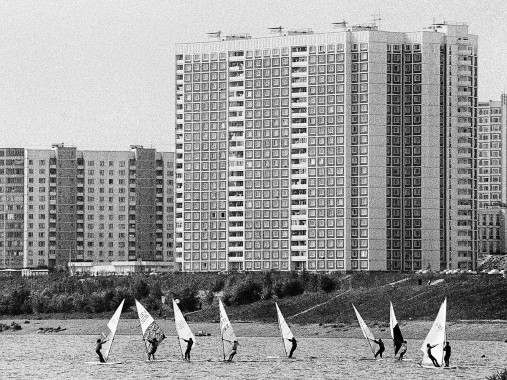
(462, 330)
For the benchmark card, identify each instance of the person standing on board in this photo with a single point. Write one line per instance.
(98, 347)
(190, 342)
(432, 358)
(233, 350)
(381, 348)
(294, 346)
(402, 350)
(153, 348)
(447, 350)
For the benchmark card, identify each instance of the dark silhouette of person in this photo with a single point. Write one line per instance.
(381, 348)
(402, 350)
(432, 358)
(98, 347)
(190, 342)
(153, 348)
(447, 350)
(294, 346)
(234, 350)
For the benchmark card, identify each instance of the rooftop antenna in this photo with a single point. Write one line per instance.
(341, 24)
(277, 29)
(376, 19)
(217, 35)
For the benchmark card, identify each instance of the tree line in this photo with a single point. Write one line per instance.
(59, 293)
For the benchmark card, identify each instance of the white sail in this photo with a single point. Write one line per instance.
(109, 336)
(182, 328)
(436, 337)
(285, 331)
(226, 331)
(149, 327)
(395, 330)
(366, 331)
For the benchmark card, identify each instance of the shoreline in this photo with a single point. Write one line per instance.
(484, 330)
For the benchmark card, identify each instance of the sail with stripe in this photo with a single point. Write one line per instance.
(182, 328)
(395, 330)
(226, 331)
(436, 337)
(149, 327)
(366, 331)
(108, 335)
(285, 331)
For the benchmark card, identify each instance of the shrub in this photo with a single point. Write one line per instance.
(189, 299)
(141, 289)
(246, 292)
(218, 284)
(327, 284)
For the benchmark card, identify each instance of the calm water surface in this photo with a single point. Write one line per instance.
(35, 356)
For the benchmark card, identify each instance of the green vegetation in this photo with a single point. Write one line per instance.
(250, 296)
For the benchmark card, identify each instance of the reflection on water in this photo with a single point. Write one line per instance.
(36, 356)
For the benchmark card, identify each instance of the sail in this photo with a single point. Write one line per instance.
(226, 331)
(436, 337)
(108, 336)
(285, 330)
(395, 330)
(182, 328)
(149, 327)
(366, 331)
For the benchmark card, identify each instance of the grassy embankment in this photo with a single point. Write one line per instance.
(250, 296)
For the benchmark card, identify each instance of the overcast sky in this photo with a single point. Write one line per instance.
(99, 74)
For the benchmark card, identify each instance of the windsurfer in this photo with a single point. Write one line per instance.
(294, 346)
(190, 342)
(98, 347)
(233, 350)
(447, 349)
(403, 349)
(381, 348)
(153, 348)
(432, 358)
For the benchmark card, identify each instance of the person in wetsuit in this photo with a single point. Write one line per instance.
(153, 348)
(432, 358)
(402, 350)
(447, 350)
(234, 350)
(190, 342)
(381, 348)
(294, 346)
(98, 347)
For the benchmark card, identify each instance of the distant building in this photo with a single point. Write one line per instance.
(351, 150)
(73, 206)
(492, 175)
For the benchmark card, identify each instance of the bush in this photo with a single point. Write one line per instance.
(289, 288)
(327, 284)
(218, 285)
(246, 292)
(189, 299)
(141, 289)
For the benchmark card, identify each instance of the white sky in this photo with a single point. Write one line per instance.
(99, 74)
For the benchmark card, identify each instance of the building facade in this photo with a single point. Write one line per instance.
(342, 151)
(11, 207)
(491, 180)
(90, 208)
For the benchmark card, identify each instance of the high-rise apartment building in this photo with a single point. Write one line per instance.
(351, 150)
(491, 178)
(87, 208)
(11, 207)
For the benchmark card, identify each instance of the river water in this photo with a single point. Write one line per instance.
(44, 356)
